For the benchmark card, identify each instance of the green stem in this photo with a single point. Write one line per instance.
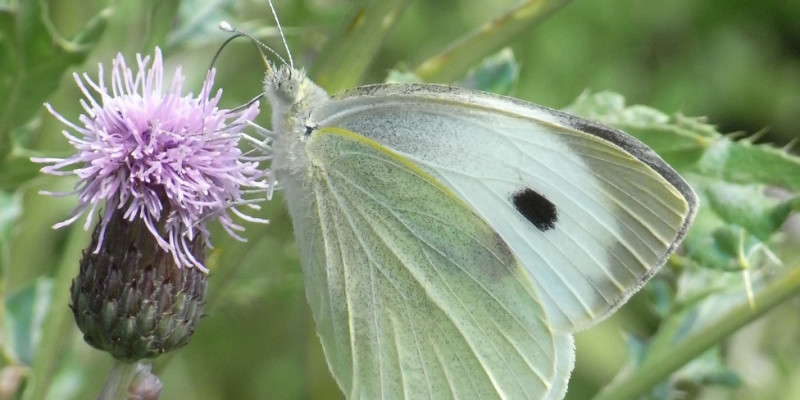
(453, 62)
(119, 381)
(58, 322)
(657, 368)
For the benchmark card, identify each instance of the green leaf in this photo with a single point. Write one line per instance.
(706, 369)
(10, 210)
(742, 161)
(17, 168)
(33, 56)
(497, 73)
(679, 140)
(727, 250)
(343, 61)
(747, 206)
(25, 313)
(735, 227)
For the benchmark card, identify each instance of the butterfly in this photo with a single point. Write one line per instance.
(453, 240)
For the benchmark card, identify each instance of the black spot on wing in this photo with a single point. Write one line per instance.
(535, 208)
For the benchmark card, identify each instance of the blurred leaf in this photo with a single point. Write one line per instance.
(727, 251)
(742, 161)
(17, 168)
(487, 39)
(733, 230)
(397, 76)
(161, 20)
(662, 295)
(497, 73)
(686, 383)
(347, 54)
(198, 21)
(32, 59)
(25, 313)
(58, 321)
(679, 140)
(748, 206)
(33, 56)
(708, 369)
(10, 210)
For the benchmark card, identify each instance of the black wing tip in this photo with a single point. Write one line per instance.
(641, 151)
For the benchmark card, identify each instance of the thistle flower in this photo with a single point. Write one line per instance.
(154, 155)
(164, 165)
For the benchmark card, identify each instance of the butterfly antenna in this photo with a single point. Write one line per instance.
(259, 44)
(280, 30)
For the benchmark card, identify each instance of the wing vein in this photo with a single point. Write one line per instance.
(428, 245)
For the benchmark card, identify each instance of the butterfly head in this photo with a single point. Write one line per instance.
(286, 87)
(282, 85)
(293, 97)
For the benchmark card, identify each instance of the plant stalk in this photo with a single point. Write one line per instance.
(454, 62)
(119, 381)
(658, 368)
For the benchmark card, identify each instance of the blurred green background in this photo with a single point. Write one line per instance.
(735, 61)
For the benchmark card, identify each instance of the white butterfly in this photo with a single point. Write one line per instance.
(453, 240)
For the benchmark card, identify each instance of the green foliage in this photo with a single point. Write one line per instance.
(33, 56)
(497, 74)
(197, 21)
(737, 229)
(359, 39)
(689, 327)
(25, 312)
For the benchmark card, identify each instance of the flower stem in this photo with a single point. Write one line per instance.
(658, 368)
(119, 381)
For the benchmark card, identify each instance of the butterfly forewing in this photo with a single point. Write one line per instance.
(415, 295)
(590, 212)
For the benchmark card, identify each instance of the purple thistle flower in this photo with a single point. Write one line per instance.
(150, 153)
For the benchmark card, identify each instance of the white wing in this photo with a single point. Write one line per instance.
(414, 296)
(590, 211)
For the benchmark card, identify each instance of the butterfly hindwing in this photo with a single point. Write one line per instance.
(413, 294)
(590, 212)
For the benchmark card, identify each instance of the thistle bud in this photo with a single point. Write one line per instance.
(130, 298)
